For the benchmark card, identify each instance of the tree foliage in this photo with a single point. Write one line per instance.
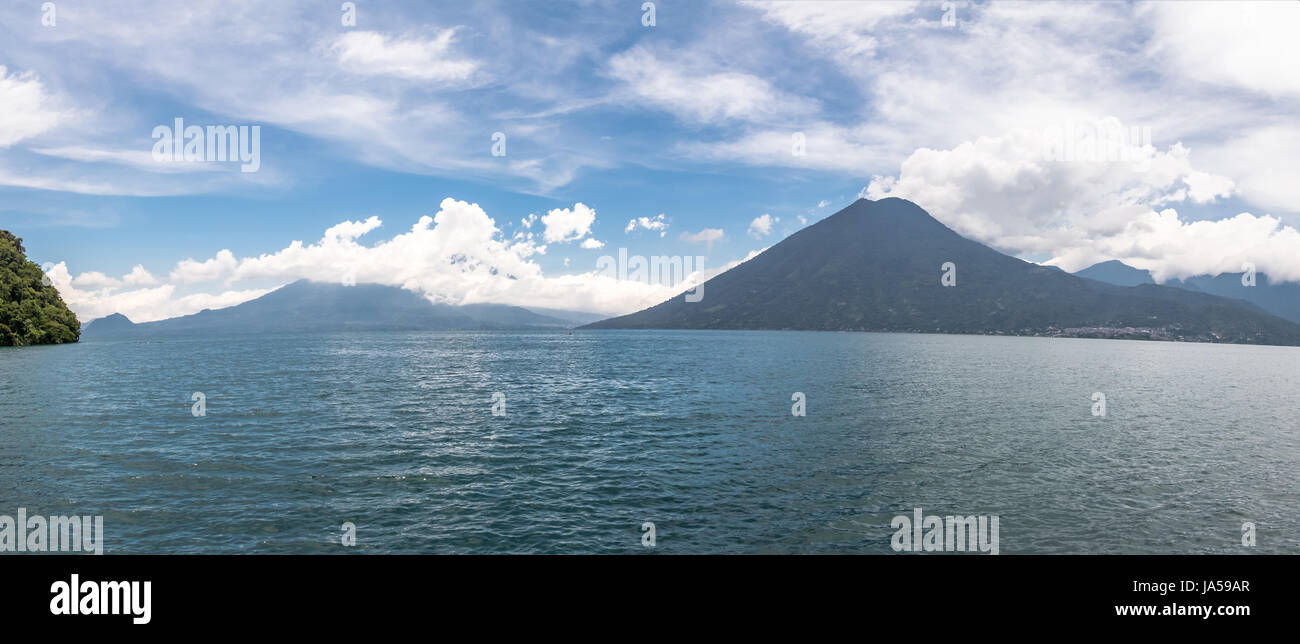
(30, 312)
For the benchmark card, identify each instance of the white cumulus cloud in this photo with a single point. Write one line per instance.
(761, 226)
(568, 224)
(647, 223)
(1008, 192)
(458, 255)
(26, 109)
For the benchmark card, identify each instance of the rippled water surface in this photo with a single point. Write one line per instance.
(690, 430)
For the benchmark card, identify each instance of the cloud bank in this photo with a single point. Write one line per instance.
(458, 256)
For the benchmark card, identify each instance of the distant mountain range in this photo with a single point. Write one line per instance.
(877, 266)
(1280, 299)
(317, 307)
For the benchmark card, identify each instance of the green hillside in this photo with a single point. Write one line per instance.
(30, 312)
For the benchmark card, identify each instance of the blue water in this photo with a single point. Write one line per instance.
(692, 431)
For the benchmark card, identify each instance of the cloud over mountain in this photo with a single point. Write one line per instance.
(1014, 192)
(458, 256)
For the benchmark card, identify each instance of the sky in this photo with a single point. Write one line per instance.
(496, 151)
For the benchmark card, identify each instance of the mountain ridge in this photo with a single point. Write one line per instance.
(877, 266)
(307, 306)
(1117, 273)
(1279, 298)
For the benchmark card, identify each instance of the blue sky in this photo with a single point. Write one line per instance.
(695, 118)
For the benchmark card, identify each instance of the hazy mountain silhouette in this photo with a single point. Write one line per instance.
(1280, 299)
(114, 324)
(316, 307)
(876, 266)
(576, 317)
(1117, 273)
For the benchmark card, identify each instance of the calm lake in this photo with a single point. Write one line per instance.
(691, 430)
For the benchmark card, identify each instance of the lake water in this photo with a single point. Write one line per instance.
(690, 430)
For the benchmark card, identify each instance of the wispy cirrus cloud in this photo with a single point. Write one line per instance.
(695, 92)
(370, 52)
(707, 236)
(845, 29)
(593, 102)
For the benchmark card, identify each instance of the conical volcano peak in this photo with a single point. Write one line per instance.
(881, 266)
(889, 206)
(889, 216)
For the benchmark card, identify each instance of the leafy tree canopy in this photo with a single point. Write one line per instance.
(30, 312)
